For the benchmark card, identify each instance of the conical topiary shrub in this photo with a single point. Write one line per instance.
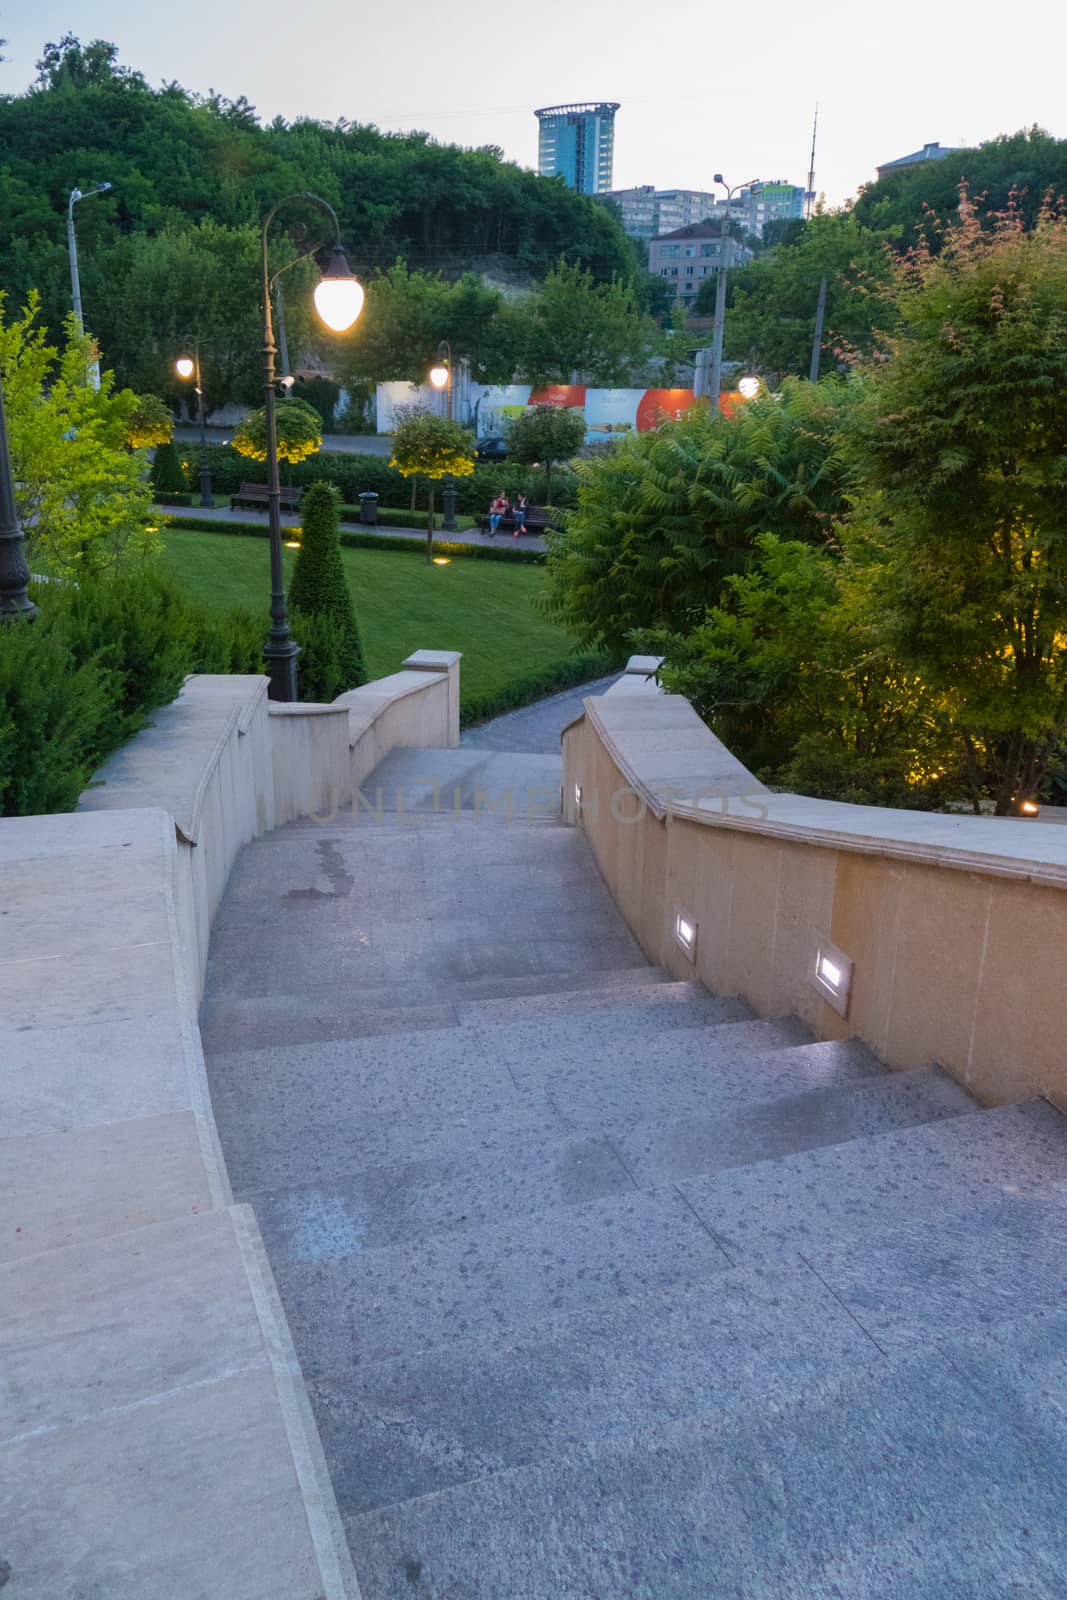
(319, 587)
(166, 476)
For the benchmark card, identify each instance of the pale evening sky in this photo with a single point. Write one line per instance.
(703, 87)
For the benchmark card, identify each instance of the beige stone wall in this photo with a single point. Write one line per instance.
(957, 926)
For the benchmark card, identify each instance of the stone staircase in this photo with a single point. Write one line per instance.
(601, 1285)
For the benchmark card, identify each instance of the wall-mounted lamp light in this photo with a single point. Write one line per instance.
(685, 932)
(832, 977)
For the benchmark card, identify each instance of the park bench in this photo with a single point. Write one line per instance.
(538, 519)
(255, 494)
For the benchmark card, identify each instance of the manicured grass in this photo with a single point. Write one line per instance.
(480, 607)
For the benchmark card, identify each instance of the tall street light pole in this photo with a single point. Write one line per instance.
(15, 603)
(715, 375)
(338, 301)
(75, 277)
(187, 367)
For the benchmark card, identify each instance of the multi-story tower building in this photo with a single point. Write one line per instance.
(579, 143)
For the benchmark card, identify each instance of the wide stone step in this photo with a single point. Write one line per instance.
(811, 1200)
(352, 1306)
(321, 1217)
(322, 1015)
(660, 1152)
(936, 1474)
(679, 999)
(411, 1426)
(691, 1073)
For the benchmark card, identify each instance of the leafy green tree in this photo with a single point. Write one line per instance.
(788, 670)
(319, 588)
(668, 516)
(961, 493)
(587, 332)
(431, 447)
(297, 425)
(80, 492)
(773, 300)
(545, 436)
(151, 424)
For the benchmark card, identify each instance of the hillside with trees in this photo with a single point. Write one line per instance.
(171, 248)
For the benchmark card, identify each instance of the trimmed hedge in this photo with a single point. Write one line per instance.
(368, 540)
(524, 691)
(372, 474)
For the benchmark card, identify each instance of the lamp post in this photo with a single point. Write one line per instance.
(715, 376)
(441, 374)
(75, 278)
(189, 367)
(15, 603)
(338, 301)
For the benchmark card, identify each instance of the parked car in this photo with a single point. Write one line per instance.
(491, 448)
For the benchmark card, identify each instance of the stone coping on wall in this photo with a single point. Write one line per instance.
(170, 763)
(677, 765)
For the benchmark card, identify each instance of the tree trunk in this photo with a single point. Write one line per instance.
(548, 483)
(429, 523)
(414, 490)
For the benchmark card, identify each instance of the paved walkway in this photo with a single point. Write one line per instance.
(537, 727)
(223, 514)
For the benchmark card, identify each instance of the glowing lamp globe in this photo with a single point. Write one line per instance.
(338, 295)
(439, 377)
(184, 367)
(749, 387)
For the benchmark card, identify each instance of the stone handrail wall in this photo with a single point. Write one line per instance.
(955, 925)
(109, 1160)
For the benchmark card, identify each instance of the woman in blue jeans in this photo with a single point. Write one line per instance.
(497, 510)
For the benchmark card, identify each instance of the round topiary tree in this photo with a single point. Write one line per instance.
(167, 476)
(298, 427)
(150, 424)
(431, 447)
(319, 587)
(546, 434)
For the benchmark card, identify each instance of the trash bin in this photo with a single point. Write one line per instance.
(368, 507)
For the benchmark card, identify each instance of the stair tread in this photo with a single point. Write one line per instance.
(796, 1201)
(678, 997)
(691, 1507)
(413, 1425)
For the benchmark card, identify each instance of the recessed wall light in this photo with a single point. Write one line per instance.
(685, 931)
(832, 977)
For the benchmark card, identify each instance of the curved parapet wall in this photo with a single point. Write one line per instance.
(932, 937)
(155, 1436)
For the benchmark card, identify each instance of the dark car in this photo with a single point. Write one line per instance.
(491, 448)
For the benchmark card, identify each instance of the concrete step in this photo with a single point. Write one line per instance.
(321, 1016)
(690, 1073)
(369, 1305)
(414, 1425)
(322, 1218)
(677, 998)
(935, 1474)
(661, 1152)
(808, 1201)
(438, 780)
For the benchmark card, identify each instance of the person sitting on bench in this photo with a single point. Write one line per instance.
(518, 515)
(497, 511)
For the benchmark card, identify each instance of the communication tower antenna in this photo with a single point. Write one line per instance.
(809, 198)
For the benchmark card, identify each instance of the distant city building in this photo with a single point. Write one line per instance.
(648, 213)
(686, 256)
(777, 201)
(578, 143)
(929, 152)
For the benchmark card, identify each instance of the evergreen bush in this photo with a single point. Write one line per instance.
(319, 587)
(166, 476)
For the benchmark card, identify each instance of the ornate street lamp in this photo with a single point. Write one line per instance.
(441, 374)
(338, 300)
(15, 603)
(189, 367)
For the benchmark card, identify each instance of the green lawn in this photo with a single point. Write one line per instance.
(480, 607)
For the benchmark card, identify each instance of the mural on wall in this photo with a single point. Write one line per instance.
(607, 412)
